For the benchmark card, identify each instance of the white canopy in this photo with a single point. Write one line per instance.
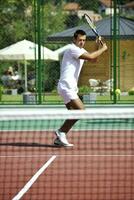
(26, 50)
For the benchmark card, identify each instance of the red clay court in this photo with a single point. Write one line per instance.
(100, 166)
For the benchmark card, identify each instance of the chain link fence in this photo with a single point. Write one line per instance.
(52, 26)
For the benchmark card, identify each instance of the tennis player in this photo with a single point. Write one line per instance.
(72, 62)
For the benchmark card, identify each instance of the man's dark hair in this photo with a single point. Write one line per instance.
(79, 32)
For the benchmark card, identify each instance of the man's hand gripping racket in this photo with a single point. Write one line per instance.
(93, 27)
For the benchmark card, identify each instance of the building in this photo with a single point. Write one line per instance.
(101, 69)
(73, 8)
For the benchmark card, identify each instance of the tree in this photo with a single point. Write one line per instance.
(122, 2)
(15, 23)
(54, 19)
(89, 5)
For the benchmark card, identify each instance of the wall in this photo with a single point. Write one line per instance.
(101, 68)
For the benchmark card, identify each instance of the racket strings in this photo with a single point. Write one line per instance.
(90, 22)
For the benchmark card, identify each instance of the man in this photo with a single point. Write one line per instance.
(71, 65)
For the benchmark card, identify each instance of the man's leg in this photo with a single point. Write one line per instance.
(75, 104)
(61, 139)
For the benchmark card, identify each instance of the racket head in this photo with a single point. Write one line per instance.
(91, 24)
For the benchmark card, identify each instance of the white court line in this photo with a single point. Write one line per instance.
(33, 179)
(75, 155)
(74, 130)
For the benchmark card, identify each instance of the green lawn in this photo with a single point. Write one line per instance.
(56, 99)
(124, 99)
(18, 99)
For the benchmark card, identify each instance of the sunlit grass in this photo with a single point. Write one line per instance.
(54, 99)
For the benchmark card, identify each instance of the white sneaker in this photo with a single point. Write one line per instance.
(61, 139)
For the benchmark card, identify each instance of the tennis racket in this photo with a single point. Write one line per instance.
(92, 26)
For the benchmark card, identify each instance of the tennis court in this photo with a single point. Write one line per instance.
(100, 166)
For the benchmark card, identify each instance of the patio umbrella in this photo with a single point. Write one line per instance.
(26, 50)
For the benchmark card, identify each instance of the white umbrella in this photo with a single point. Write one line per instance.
(26, 50)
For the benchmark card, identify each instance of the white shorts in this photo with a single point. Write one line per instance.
(67, 94)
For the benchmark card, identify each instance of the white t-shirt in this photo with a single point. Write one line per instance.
(70, 67)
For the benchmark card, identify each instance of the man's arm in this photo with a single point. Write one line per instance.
(95, 54)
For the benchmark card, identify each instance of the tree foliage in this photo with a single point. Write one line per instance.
(53, 19)
(15, 22)
(18, 21)
(17, 18)
(89, 5)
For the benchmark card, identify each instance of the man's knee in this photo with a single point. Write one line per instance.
(75, 104)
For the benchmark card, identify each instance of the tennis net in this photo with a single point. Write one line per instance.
(100, 165)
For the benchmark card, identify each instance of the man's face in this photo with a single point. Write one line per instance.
(80, 41)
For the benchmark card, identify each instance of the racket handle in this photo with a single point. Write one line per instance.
(101, 42)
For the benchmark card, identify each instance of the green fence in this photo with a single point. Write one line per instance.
(51, 25)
